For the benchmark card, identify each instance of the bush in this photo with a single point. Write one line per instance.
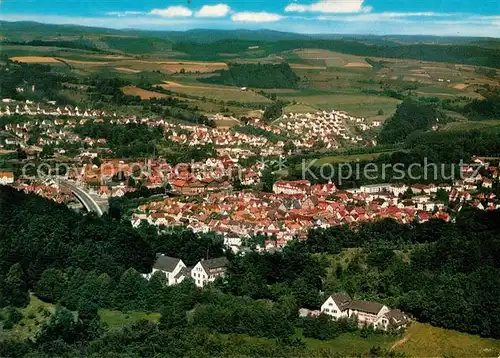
(322, 327)
(14, 315)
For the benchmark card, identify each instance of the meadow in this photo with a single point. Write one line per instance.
(355, 104)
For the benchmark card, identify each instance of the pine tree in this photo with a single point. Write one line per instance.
(15, 290)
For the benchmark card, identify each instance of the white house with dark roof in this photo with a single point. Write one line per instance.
(174, 269)
(340, 305)
(207, 271)
(336, 305)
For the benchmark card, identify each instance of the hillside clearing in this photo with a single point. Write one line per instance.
(124, 69)
(144, 94)
(424, 339)
(224, 93)
(203, 67)
(117, 319)
(35, 59)
(358, 64)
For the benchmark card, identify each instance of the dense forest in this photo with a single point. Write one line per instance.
(442, 273)
(484, 109)
(410, 116)
(256, 75)
(76, 44)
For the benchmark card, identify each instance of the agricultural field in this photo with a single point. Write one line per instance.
(201, 67)
(328, 79)
(358, 105)
(327, 59)
(36, 59)
(339, 159)
(224, 93)
(468, 125)
(144, 94)
(299, 108)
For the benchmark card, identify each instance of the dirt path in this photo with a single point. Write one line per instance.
(399, 343)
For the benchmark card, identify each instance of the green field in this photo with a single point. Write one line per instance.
(349, 344)
(219, 92)
(425, 340)
(359, 105)
(34, 315)
(117, 319)
(468, 125)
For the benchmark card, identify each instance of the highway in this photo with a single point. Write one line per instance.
(84, 197)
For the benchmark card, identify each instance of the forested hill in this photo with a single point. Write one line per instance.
(256, 75)
(442, 273)
(210, 44)
(463, 54)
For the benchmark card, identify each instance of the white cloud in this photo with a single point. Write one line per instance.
(256, 17)
(123, 13)
(172, 11)
(219, 10)
(384, 16)
(330, 7)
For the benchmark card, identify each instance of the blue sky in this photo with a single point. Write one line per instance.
(429, 17)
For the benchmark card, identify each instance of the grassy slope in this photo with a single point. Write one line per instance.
(425, 340)
(117, 319)
(467, 125)
(33, 318)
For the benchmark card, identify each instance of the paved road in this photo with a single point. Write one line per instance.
(84, 197)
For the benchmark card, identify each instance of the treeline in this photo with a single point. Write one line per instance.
(464, 54)
(77, 44)
(256, 75)
(108, 90)
(273, 111)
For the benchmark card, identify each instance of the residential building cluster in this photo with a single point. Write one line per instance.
(174, 271)
(328, 127)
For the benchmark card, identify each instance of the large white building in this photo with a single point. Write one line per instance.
(207, 271)
(340, 305)
(175, 271)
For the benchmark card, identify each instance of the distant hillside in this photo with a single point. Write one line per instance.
(208, 36)
(210, 44)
